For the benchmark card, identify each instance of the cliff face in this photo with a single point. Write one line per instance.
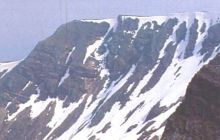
(197, 118)
(106, 79)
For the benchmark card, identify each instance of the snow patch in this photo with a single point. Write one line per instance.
(60, 114)
(92, 48)
(27, 85)
(69, 54)
(23, 106)
(66, 75)
(7, 66)
(130, 87)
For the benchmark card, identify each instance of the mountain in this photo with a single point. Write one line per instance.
(107, 79)
(197, 118)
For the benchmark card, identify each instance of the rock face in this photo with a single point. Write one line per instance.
(197, 118)
(106, 79)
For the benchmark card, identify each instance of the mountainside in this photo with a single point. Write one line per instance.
(197, 118)
(106, 79)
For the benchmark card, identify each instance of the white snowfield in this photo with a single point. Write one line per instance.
(168, 90)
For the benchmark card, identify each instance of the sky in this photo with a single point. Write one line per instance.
(23, 23)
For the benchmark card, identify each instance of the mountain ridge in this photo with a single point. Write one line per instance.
(176, 14)
(106, 79)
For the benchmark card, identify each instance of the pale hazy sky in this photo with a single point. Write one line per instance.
(25, 22)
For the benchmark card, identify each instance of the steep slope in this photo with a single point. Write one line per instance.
(106, 79)
(197, 118)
